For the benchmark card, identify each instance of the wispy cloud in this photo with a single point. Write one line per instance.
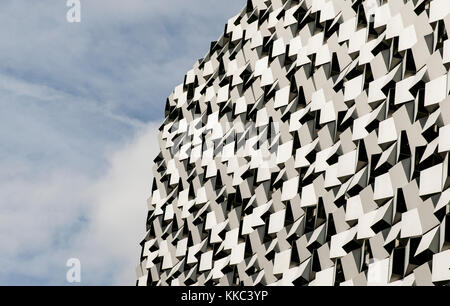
(81, 104)
(123, 53)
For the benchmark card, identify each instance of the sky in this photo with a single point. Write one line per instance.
(81, 104)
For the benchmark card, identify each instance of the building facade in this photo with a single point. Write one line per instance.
(310, 146)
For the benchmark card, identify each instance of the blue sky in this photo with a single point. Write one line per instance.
(81, 103)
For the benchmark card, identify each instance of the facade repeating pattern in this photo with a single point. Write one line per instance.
(310, 146)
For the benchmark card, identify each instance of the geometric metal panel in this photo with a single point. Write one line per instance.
(310, 146)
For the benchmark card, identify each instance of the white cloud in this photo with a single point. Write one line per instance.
(66, 214)
(122, 51)
(120, 209)
(75, 151)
